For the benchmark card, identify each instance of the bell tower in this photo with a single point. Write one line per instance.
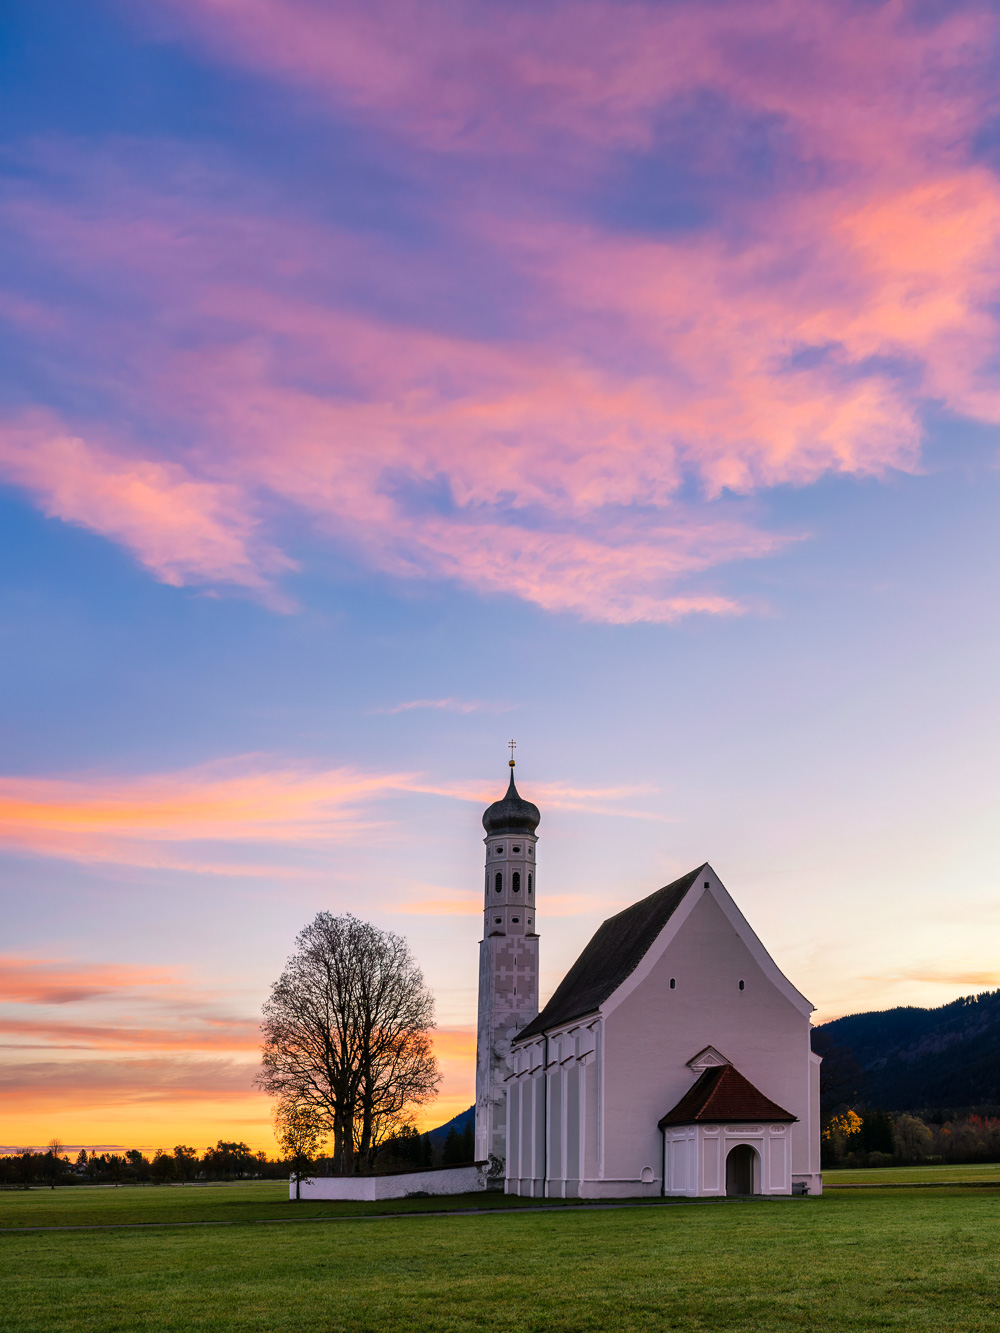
(508, 957)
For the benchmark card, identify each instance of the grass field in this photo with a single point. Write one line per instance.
(920, 1260)
(99, 1205)
(975, 1173)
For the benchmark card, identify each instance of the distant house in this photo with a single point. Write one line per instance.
(673, 1058)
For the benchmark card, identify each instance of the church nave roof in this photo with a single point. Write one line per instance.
(613, 954)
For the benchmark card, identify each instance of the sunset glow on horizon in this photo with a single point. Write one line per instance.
(380, 382)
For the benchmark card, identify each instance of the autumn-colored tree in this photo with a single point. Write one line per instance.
(300, 1132)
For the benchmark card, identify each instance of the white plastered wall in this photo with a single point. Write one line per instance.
(694, 1157)
(633, 1060)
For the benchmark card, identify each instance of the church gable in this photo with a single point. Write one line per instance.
(612, 955)
(707, 903)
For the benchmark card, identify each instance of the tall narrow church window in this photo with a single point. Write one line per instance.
(743, 985)
(516, 886)
(673, 983)
(499, 882)
(529, 881)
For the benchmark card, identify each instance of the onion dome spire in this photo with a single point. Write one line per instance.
(512, 814)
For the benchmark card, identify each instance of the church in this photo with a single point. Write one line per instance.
(672, 1059)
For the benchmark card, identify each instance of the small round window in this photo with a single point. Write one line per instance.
(516, 920)
(498, 920)
(515, 850)
(499, 851)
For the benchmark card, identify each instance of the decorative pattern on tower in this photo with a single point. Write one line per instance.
(508, 958)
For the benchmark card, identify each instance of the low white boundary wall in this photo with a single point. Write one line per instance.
(443, 1180)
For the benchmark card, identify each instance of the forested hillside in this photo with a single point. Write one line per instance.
(930, 1060)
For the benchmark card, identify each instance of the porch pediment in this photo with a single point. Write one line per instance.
(709, 1058)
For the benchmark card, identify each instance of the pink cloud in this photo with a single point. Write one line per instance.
(798, 336)
(448, 705)
(179, 527)
(464, 76)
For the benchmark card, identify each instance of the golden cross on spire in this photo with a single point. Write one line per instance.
(513, 747)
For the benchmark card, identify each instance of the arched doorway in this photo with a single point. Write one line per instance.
(742, 1170)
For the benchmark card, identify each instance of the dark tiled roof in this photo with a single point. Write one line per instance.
(512, 814)
(723, 1094)
(612, 955)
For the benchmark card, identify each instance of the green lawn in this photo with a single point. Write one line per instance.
(979, 1173)
(101, 1205)
(917, 1261)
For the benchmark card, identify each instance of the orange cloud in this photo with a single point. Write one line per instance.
(48, 981)
(38, 1085)
(228, 1035)
(242, 800)
(142, 820)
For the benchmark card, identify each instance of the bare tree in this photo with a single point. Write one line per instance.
(346, 1034)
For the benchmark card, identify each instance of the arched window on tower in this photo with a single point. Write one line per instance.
(529, 881)
(499, 882)
(516, 886)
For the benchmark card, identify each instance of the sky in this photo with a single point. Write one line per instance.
(382, 382)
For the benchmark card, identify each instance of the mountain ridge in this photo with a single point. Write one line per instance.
(930, 1060)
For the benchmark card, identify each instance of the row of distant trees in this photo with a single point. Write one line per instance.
(226, 1161)
(877, 1138)
(406, 1151)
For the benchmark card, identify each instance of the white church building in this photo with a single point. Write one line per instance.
(673, 1058)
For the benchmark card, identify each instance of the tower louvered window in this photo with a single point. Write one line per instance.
(499, 882)
(516, 886)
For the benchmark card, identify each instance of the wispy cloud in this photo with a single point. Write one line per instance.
(52, 981)
(180, 527)
(39, 1086)
(447, 706)
(208, 1035)
(955, 977)
(192, 818)
(456, 902)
